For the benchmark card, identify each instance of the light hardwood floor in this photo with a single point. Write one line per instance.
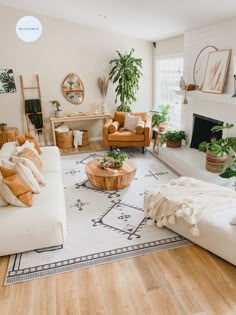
(182, 281)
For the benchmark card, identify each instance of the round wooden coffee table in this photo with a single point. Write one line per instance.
(110, 179)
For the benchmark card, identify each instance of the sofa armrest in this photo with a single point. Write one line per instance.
(105, 130)
(148, 131)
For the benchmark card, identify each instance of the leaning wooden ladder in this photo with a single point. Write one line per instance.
(38, 113)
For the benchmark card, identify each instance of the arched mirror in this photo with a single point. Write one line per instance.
(73, 89)
(200, 65)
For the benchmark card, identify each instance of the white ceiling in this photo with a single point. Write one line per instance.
(145, 19)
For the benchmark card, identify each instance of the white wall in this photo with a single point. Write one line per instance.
(221, 107)
(170, 46)
(63, 48)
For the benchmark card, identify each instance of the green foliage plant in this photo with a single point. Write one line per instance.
(125, 73)
(160, 115)
(116, 157)
(221, 146)
(56, 104)
(173, 136)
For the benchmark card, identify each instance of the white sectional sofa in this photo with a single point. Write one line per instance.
(215, 219)
(43, 224)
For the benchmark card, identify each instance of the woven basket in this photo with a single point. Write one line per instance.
(64, 139)
(171, 144)
(85, 138)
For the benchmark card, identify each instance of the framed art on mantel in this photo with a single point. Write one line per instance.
(216, 70)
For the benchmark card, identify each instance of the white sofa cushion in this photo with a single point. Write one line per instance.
(8, 149)
(217, 234)
(50, 164)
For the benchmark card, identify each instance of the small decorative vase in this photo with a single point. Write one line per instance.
(182, 84)
(104, 107)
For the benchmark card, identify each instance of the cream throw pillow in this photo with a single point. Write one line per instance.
(30, 155)
(37, 174)
(131, 122)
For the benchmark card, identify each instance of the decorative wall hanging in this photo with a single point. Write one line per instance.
(7, 82)
(200, 65)
(73, 89)
(216, 70)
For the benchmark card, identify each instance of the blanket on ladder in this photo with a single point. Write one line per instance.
(188, 198)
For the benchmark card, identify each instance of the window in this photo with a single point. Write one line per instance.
(168, 71)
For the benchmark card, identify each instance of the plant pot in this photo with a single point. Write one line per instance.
(58, 113)
(215, 163)
(172, 144)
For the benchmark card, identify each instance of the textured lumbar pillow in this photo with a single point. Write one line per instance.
(113, 127)
(27, 145)
(27, 162)
(30, 138)
(30, 155)
(14, 190)
(140, 126)
(131, 122)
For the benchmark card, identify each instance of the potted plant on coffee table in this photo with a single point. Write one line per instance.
(173, 138)
(217, 151)
(113, 159)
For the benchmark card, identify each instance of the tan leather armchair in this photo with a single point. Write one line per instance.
(114, 133)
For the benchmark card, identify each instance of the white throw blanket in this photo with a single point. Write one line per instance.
(78, 137)
(189, 199)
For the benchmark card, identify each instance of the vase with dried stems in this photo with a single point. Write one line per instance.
(103, 87)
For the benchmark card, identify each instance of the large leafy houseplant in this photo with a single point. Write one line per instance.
(125, 73)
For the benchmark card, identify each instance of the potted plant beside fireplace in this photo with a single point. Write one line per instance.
(217, 151)
(173, 138)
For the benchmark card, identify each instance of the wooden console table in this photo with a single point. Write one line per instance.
(54, 120)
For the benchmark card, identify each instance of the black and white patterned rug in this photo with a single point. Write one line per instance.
(103, 226)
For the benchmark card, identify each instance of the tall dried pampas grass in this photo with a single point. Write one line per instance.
(103, 86)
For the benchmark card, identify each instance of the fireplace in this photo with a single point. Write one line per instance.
(202, 130)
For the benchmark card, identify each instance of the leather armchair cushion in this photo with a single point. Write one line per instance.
(113, 127)
(120, 117)
(126, 136)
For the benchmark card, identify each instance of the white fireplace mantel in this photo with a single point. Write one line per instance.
(219, 98)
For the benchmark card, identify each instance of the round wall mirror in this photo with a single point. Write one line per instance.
(73, 89)
(200, 65)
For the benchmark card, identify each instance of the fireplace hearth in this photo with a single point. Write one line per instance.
(202, 130)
